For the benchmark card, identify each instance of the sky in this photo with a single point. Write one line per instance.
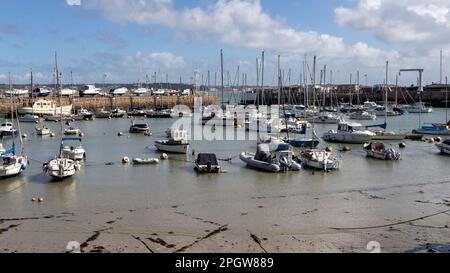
(127, 41)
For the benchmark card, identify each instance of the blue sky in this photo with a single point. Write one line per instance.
(128, 39)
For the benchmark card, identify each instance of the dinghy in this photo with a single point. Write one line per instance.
(147, 161)
(207, 163)
(319, 160)
(378, 150)
(271, 158)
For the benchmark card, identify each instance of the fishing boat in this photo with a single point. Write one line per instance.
(7, 130)
(139, 127)
(418, 108)
(43, 131)
(352, 133)
(103, 114)
(444, 147)
(74, 152)
(271, 158)
(29, 118)
(46, 107)
(72, 131)
(83, 114)
(118, 113)
(363, 115)
(378, 150)
(60, 167)
(177, 143)
(145, 161)
(207, 163)
(319, 160)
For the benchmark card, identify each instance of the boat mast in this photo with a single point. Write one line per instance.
(262, 78)
(446, 99)
(386, 93)
(221, 75)
(58, 89)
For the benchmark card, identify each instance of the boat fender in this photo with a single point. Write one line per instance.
(120, 134)
(24, 135)
(52, 134)
(438, 139)
(346, 148)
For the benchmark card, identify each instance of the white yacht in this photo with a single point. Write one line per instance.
(417, 108)
(177, 143)
(46, 107)
(363, 115)
(140, 91)
(74, 152)
(352, 133)
(68, 92)
(12, 164)
(90, 91)
(119, 91)
(7, 130)
(326, 118)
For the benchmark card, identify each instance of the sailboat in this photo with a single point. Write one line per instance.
(11, 163)
(61, 167)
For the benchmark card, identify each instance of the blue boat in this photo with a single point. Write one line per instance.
(435, 129)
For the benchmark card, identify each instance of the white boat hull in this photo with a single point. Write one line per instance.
(43, 131)
(77, 154)
(14, 169)
(61, 168)
(66, 110)
(347, 138)
(176, 149)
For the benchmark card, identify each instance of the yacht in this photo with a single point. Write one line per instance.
(418, 107)
(139, 127)
(16, 93)
(319, 160)
(119, 91)
(370, 106)
(363, 115)
(352, 133)
(41, 92)
(326, 118)
(74, 152)
(382, 112)
(72, 131)
(83, 114)
(12, 164)
(103, 114)
(140, 91)
(46, 107)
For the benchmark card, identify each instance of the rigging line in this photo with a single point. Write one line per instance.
(396, 224)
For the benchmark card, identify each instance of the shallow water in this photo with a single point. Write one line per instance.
(101, 187)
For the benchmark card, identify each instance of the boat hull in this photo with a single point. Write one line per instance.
(249, 159)
(174, 149)
(61, 168)
(433, 133)
(305, 143)
(445, 149)
(347, 138)
(15, 169)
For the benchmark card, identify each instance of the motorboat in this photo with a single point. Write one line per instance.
(74, 152)
(326, 118)
(444, 147)
(68, 92)
(370, 106)
(417, 108)
(207, 163)
(352, 133)
(362, 115)
(271, 158)
(7, 130)
(303, 142)
(159, 113)
(381, 112)
(430, 129)
(177, 143)
(29, 118)
(119, 91)
(103, 114)
(319, 160)
(118, 113)
(378, 150)
(43, 131)
(57, 118)
(41, 92)
(160, 92)
(16, 93)
(72, 131)
(145, 161)
(137, 113)
(90, 91)
(139, 127)
(46, 107)
(140, 91)
(83, 114)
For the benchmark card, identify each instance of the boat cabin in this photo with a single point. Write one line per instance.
(349, 127)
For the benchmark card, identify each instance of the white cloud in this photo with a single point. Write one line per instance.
(73, 2)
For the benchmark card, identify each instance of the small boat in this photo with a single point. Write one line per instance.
(41, 92)
(162, 113)
(146, 161)
(378, 150)
(319, 160)
(119, 91)
(7, 130)
(140, 91)
(46, 107)
(388, 135)
(382, 112)
(444, 147)
(207, 163)
(72, 131)
(103, 114)
(431, 129)
(178, 143)
(29, 118)
(83, 114)
(326, 118)
(139, 127)
(43, 131)
(76, 153)
(137, 113)
(67, 92)
(352, 133)
(118, 113)
(90, 91)
(417, 108)
(271, 158)
(363, 115)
